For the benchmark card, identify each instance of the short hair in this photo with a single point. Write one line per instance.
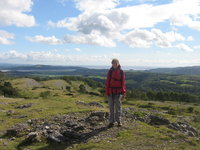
(115, 61)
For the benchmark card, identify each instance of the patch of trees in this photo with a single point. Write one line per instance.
(82, 88)
(45, 94)
(92, 83)
(40, 78)
(162, 96)
(163, 82)
(7, 90)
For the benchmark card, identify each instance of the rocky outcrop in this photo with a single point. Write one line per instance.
(24, 106)
(95, 104)
(185, 128)
(61, 128)
(10, 112)
(56, 136)
(17, 129)
(96, 117)
(74, 127)
(158, 120)
(33, 137)
(90, 104)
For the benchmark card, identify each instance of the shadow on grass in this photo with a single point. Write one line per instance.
(7, 135)
(68, 143)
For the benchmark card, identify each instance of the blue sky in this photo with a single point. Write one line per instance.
(155, 33)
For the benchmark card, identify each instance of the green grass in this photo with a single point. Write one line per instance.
(142, 136)
(188, 85)
(97, 77)
(167, 81)
(133, 135)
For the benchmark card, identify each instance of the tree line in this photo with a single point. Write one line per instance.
(162, 96)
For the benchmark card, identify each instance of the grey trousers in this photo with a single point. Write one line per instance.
(115, 107)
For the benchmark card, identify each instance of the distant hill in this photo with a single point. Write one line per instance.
(84, 70)
(27, 70)
(3, 66)
(193, 70)
(143, 81)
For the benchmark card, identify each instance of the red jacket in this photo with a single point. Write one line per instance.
(115, 81)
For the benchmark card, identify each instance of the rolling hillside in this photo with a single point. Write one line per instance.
(52, 116)
(143, 81)
(194, 70)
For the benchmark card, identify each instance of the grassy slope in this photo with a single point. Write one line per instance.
(133, 135)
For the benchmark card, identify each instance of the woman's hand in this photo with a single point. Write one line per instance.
(123, 96)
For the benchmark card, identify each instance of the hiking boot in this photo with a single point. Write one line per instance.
(119, 124)
(110, 125)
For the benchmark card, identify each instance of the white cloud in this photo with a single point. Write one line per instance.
(77, 49)
(5, 37)
(190, 38)
(139, 16)
(184, 47)
(42, 56)
(46, 56)
(52, 57)
(48, 40)
(164, 40)
(196, 47)
(146, 15)
(116, 54)
(186, 20)
(13, 13)
(94, 38)
(87, 23)
(163, 62)
(103, 22)
(12, 55)
(144, 39)
(55, 58)
(63, 2)
(142, 1)
(139, 38)
(95, 5)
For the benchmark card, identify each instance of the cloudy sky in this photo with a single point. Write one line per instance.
(158, 33)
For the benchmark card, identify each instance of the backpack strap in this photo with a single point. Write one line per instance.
(110, 74)
(121, 72)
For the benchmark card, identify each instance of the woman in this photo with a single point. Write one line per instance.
(115, 91)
